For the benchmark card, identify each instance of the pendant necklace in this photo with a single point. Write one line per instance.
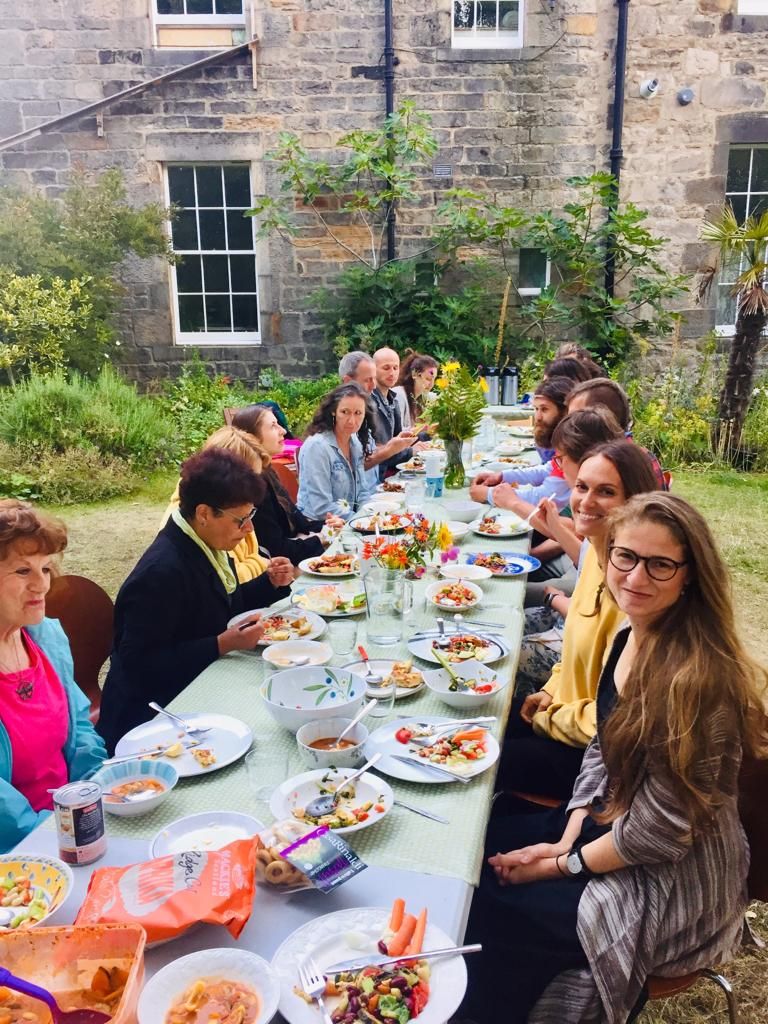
(24, 690)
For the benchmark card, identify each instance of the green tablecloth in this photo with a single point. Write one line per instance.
(402, 839)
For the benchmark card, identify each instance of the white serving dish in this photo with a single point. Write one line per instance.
(301, 695)
(434, 589)
(438, 681)
(463, 510)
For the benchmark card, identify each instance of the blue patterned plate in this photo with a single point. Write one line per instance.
(515, 564)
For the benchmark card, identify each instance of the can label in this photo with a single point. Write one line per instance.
(80, 822)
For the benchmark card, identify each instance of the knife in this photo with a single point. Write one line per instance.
(152, 752)
(416, 762)
(383, 961)
(422, 812)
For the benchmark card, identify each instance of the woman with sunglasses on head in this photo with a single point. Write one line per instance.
(644, 872)
(549, 729)
(171, 613)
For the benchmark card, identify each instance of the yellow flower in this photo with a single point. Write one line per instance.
(483, 384)
(451, 367)
(441, 382)
(444, 537)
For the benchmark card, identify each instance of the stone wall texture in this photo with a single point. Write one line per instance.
(514, 123)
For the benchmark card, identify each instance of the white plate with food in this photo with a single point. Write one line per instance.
(227, 741)
(461, 647)
(455, 595)
(205, 832)
(408, 679)
(286, 653)
(385, 522)
(462, 757)
(286, 625)
(520, 431)
(215, 982)
(342, 563)
(366, 802)
(503, 563)
(414, 465)
(333, 600)
(395, 487)
(500, 524)
(353, 933)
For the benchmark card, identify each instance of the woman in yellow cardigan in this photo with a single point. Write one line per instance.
(249, 563)
(549, 730)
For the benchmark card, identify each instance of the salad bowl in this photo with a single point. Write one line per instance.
(298, 696)
(472, 674)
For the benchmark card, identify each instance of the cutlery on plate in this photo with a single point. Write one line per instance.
(452, 723)
(417, 762)
(462, 622)
(427, 741)
(303, 659)
(190, 730)
(382, 961)
(461, 685)
(150, 752)
(326, 804)
(313, 983)
(442, 640)
(420, 810)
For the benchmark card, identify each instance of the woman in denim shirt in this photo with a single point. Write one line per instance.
(332, 475)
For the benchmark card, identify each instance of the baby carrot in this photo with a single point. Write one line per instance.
(398, 909)
(468, 734)
(403, 936)
(417, 941)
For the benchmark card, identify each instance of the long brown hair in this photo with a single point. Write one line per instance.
(689, 672)
(414, 363)
(251, 419)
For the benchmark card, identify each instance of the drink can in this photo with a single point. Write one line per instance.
(80, 822)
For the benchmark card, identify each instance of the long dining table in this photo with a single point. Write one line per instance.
(407, 855)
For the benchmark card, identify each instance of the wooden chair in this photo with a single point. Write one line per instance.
(753, 785)
(288, 478)
(86, 614)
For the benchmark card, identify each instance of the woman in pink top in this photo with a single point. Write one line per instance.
(46, 738)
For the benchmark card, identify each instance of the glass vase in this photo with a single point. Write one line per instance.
(454, 467)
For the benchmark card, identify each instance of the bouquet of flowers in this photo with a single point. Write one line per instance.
(459, 403)
(410, 551)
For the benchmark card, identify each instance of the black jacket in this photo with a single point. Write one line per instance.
(168, 615)
(277, 530)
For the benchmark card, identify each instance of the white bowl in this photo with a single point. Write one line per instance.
(171, 981)
(204, 832)
(463, 571)
(301, 695)
(458, 529)
(462, 510)
(349, 757)
(439, 681)
(434, 589)
(386, 503)
(116, 774)
(281, 654)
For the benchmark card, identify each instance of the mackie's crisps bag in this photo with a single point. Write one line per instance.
(170, 894)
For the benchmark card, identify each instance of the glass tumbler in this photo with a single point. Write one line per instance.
(267, 766)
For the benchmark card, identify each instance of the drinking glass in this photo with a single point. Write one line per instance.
(385, 693)
(342, 634)
(385, 594)
(267, 766)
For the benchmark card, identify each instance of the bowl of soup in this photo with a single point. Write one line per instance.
(135, 787)
(319, 746)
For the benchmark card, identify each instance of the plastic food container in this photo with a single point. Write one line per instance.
(60, 959)
(271, 869)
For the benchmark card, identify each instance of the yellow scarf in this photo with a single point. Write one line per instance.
(218, 559)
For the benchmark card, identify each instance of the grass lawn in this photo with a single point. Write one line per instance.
(106, 541)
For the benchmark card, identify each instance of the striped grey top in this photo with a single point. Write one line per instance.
(677, 907)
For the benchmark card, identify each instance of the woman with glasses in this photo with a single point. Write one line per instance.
(549, 729)
(332, 474)
(171, 613)
(644, 871)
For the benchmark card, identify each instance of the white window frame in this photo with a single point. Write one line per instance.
(728, 330)
(212, 338)
(535, 292)
(752, 7)
(184, 19)
(488, 40)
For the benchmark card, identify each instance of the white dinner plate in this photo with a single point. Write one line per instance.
(399, 493)
(495, 652)
(346, 590)
(204, 832)
(366, 524)
(409, 468)
(305, 567)
(316, 623)
(327, 940)
(524, 432)
(516, 563)
(510, 526)
(383, 742)
(465, 571)
(298, 791)
(382, 667)
(229, 739)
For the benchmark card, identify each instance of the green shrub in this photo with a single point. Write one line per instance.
(755, 435)
(63, 478)
(106, 415)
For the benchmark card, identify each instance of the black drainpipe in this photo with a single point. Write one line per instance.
(389, 93)
(617, 152)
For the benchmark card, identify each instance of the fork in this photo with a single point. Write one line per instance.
(313, 983)
(190, 730)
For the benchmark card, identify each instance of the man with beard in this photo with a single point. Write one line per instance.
(521, 488)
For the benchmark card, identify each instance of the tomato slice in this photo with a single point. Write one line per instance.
(403, 735)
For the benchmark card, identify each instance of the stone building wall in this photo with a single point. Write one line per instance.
(516, 123)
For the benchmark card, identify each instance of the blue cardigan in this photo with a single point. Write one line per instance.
(83, 751)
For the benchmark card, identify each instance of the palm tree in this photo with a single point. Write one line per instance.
(744, 246)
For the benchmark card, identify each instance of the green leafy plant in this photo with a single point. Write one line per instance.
(459, 405)
(78, 243)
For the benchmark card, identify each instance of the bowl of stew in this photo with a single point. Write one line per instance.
(318, 747)
(135, 787)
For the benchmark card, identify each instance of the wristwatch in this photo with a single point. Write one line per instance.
(548, 599)
(575, 864)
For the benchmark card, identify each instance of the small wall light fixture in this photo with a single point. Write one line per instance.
(685, 96)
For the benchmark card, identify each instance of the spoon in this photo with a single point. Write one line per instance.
(59, 1016)
(303, 659)
(326, 804)
(358, 718)
(459, 683)
(372, 678)
(190, 730)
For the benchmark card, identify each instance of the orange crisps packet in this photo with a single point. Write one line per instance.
(170, 894)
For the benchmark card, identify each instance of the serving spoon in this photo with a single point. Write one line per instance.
(358, 718)
(59, 1016)
(326, 804)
